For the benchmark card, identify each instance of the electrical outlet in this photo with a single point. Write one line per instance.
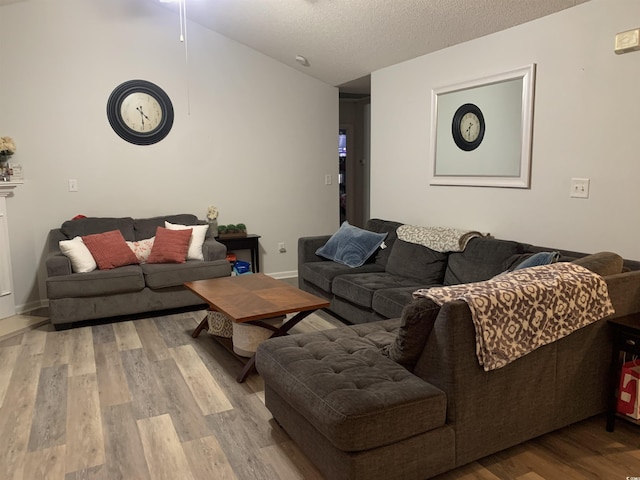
(281, 247)
(73, 185)
(327, 179)
(580, 187)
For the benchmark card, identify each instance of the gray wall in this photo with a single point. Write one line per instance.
(586, 101)
(251, 135)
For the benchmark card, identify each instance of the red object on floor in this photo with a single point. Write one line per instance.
(78, 217)
(628, 392)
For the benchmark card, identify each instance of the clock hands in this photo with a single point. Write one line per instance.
(142, 115)
(469, 130)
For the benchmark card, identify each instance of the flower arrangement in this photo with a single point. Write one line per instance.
(7, 146)
(212, 213)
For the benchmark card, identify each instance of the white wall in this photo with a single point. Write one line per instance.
(585, 125)
(257, 142)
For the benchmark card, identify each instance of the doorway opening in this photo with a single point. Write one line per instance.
(342, 172)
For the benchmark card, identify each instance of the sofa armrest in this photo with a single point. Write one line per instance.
(624, 291)
(213, 250)
(56, 262)
(307, 247)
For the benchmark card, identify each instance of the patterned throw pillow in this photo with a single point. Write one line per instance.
(109, 250)
(170, 246)
(142, 248)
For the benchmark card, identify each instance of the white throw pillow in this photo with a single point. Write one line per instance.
(81, 259)
(197, 238)
(142, 248)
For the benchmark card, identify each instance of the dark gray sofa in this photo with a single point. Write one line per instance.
(381, 287)
(130, 289)
(359, 414)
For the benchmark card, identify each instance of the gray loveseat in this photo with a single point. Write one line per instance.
(360, 410)
(130, 289)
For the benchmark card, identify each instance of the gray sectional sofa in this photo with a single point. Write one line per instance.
(406, 398)
(130, 289)
(381, 287)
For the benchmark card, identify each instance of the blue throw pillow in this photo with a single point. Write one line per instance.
(540, 258)
(351, 246)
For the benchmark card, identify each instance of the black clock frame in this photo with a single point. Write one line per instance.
(120, 127)
(455, 127)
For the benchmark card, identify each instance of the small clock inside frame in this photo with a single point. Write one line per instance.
(468, 127)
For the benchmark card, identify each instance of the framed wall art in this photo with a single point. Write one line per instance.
(481, 131)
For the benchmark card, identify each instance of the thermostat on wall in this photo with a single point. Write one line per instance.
(628, 41)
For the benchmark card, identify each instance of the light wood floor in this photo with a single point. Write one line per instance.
(143, 400)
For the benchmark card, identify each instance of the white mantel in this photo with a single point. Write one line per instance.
(7, 303)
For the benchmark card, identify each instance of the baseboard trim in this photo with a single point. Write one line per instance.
(283, 275)
(12, 325)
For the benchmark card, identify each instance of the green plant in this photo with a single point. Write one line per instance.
(241, 227)
(231, 228)
(222, 229)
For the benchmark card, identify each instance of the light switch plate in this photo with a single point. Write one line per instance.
(580, 187)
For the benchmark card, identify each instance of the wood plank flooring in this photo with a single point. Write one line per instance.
(144, 400)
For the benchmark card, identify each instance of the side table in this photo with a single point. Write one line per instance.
(626, 339)
(250, 242)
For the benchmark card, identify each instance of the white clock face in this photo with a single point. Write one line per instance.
(470, 127)
(141, 112)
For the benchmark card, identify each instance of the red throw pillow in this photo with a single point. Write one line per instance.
(170, 246)
(109, 250)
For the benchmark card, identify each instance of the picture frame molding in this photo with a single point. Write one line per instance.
(527, 74)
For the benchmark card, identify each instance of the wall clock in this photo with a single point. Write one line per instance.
(467, 127)
(140, 112)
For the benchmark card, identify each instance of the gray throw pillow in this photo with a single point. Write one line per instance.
(418, 318)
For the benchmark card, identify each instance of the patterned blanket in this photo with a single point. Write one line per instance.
(517, 312)
(440, 239)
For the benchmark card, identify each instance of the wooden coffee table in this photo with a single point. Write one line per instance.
(251, 299)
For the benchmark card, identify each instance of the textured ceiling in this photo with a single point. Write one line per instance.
(345, 40)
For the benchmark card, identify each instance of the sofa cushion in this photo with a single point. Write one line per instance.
(146, 227)
(170, 246)
(92, 225)
(416, 323)
(321, 274)
(482, 259)
(97, 283)
(384, 226)
(360, 288)
(356, 397)
(350, 245)
(109, 250)
(602, 263)
(417, 262)
(162, 275)
(389, 302)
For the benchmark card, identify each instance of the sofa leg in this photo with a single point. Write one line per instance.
(62, 326)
